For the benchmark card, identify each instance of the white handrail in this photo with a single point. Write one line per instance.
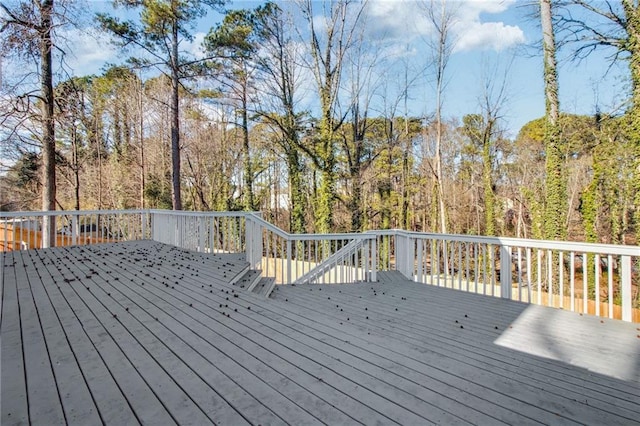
(332, 261)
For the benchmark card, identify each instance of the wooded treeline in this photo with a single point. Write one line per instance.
(228, 130)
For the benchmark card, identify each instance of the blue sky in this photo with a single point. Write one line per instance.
(489, 35)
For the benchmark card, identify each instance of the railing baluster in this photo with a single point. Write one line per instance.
(625, 289)
(549, 278)
(539, 274)
(610, 282)
(529, 279)
(585, 289)
(572, 273)
(561, 279)
(596, 275)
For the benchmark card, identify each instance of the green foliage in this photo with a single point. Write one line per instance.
(26, 170)
(158, 192)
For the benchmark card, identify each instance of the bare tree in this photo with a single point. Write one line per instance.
(442, 16)
(164, 26)
(27, 29)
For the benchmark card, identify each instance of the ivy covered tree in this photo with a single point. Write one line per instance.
(615, 25)
(279, 68)
(555, 202)
(329, 41)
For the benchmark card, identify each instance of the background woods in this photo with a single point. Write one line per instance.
(293, 110)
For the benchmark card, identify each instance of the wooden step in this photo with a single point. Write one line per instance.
(249, 280)
(265, 286)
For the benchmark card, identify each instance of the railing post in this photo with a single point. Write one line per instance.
(505, 272)
(410, 260)
(288, 261)
(399, 252)
(374, 259)
(74, 229)
(143, 225)
(201, 234)
(248, 240)
(625, 290)
(419, 271)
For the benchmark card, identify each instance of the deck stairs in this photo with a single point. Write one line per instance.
(253, 282)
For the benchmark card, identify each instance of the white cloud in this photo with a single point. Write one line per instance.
(194, 47)
(473, 33)
(395, 19)
(404, 20)
(87, 51)
(488, 35)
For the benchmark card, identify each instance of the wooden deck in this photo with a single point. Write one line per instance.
(143, 332)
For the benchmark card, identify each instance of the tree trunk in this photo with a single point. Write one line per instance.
(48, 130)
(141, 141)
(249, 198)
(555, 206)
(355, 204)
(76, 168)
(326, 192)
(296, 193)
(175, 120)
(487, 180)
(632, 15)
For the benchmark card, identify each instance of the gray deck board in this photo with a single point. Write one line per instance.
(468, 377)
(143, 332)
(14, 386)
(139, 395)
(171, 403)
(77, 402)
(168, 306)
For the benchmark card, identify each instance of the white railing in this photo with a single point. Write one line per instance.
(337, 261)
(26, 230)
(209, 232)
(312, 258)
(598, 279)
